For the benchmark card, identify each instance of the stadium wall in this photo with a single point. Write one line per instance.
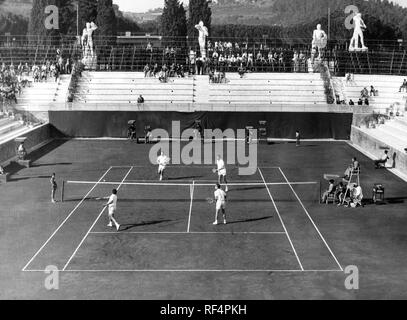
(36, 139)
(280, 125)
(374, 147)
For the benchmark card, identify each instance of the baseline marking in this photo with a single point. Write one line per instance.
(66, 219)
(169, 232)
(190, 271)
(312, 221)
(91, 227)
(281, 220)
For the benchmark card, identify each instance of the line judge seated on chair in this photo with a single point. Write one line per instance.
(381, 163)
(330, 191)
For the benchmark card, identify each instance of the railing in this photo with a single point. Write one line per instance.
(133, 53)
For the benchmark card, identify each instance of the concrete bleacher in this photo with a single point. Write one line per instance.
(269, 88)
(11, 128)
(38, 93)
(388, 87)
(125, 88)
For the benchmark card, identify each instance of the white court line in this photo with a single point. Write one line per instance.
(281, 220)
(312, 221)
(66, 219)
(185, 233)
(189, 271)
(91, 227)
(190, 205)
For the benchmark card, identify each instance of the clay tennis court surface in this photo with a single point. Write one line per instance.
(279, 241)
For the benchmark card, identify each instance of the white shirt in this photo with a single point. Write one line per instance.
(220, 196)
(221, 164)
(113, 202)
(385, 157)
(162, 160)
(221, 167)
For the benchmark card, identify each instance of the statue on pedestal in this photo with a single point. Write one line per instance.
(359, 27)
(87, 39)
(319, 41)
(203, 33)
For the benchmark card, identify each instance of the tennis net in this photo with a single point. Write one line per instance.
(134, 191)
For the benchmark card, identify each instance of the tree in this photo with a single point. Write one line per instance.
(173, 22)
(87, 13)
(106, 19)
(199, 10)
(36, 26)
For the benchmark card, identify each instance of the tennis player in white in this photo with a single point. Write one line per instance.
(112, 206)
(220, 198)
(162, 162)
(221, 169)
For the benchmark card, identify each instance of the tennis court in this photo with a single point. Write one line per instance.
(277, 230)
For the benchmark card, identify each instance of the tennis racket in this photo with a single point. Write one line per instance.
(214, 170)
(210, 200)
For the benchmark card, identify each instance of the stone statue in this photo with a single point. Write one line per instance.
(359, 27)
(87, 39)
(319, 40)
(203, 33)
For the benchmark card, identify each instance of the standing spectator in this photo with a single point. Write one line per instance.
(404, 85)
(146, 71)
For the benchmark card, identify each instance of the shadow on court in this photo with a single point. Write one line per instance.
(250, 220)
(126, 227)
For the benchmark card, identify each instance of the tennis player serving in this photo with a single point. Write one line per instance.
(221, 170)
(162, 162)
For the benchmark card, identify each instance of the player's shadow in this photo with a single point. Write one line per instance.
(126, 227)
(250, 220)
(184, 178)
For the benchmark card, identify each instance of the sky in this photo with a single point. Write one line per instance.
(145, 5)
(140, 5)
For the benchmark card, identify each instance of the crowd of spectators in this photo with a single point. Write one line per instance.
(14, 78)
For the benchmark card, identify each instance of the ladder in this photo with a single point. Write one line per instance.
(354, 175)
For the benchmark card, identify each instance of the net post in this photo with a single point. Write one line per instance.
(62, 190)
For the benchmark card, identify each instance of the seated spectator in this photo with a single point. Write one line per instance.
(241, 70)
(21, 152)
(351, 103)
(180, 71)
(147, 71)
(403, 86)
(360, 102)
(381, 163)
(364, 93)
(354, 167)
(1, 171)
(340, 192)
(140, 99)
(366, 101)
(373, 91)
(330, 191)
(356, 196)
(162, 76)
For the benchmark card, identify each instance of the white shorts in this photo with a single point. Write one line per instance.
(220, 205)
(111, 211)
(222, 172)
(161, 168)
